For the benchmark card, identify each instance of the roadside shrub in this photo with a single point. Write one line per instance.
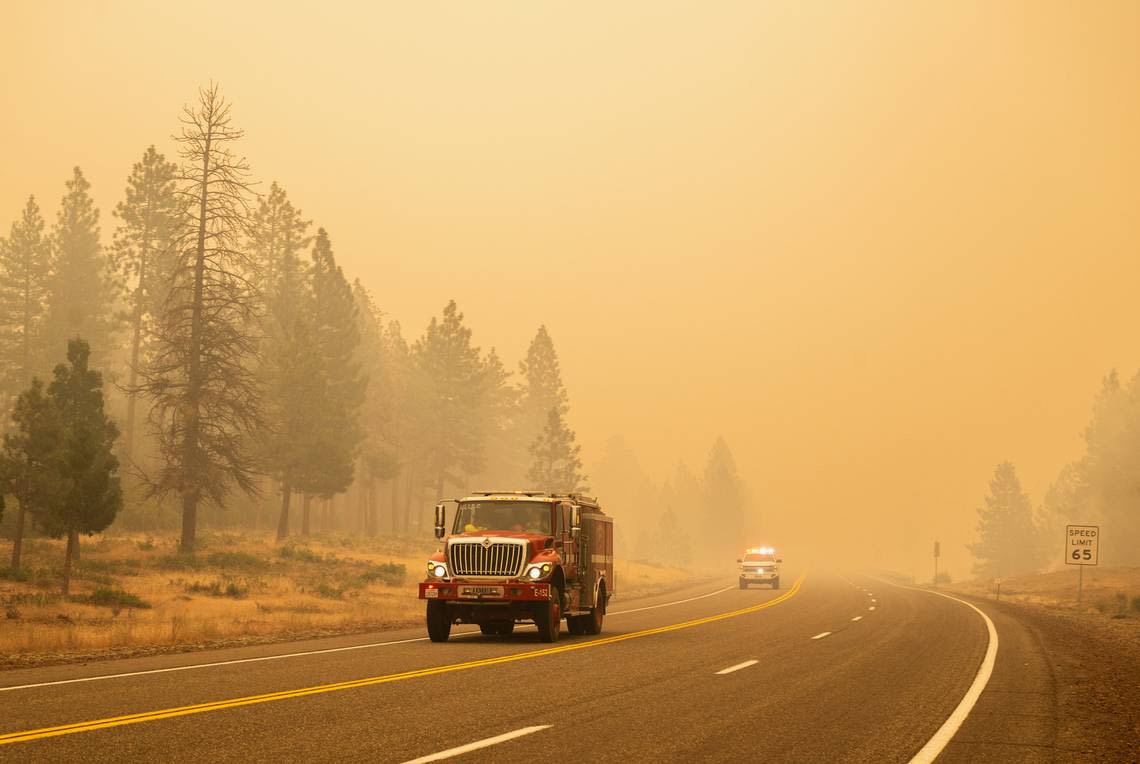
(113, 598)
(233, 588)
(388, 573)
(178, 562)
(11, 574)
(328, 591)
(145, 546)
(303, 554)
(1136, 604)
(236, 561)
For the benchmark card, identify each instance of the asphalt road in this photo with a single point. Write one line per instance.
(708, 674)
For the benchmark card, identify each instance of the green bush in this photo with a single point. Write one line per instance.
(389, 573)
(146, 546)
(328, 591)
(178, 562)
(12, 574)
(1136, 604)
(232, 588)
(236, 561)
(304, 554)
(114, 598)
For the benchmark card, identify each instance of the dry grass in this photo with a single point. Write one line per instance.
(132, 592)
(1108, 591)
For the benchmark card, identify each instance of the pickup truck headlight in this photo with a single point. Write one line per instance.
(436, 569)
(538, 571)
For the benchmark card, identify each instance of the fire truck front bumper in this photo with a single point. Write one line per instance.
(489, 593)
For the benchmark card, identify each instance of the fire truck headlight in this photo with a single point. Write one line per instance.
(536, 572)
(437, 569)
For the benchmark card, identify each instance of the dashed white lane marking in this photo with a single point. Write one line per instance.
(874, 600)
(737, 667)
(462, 749)
(821, 635)
(212, 664)
(871, 608)
(857, 618)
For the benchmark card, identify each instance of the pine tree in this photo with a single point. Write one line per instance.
(279, 237)
(1007, 536)
(542, 388)
(336, 338)
(204, 393)
(557, 465)
(143, 256)
(24, 273)
(81, 288)
(89, 494)
(1110, 470)
(505, 465)
(378, 459)
(30, 462)
(448, 390)
(724, 504)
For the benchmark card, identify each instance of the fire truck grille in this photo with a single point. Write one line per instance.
(498, 559)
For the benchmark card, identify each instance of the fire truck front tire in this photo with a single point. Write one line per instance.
(438, 621)
(548, 616)
(775, 583)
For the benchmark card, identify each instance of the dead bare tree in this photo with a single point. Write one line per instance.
(205, 397)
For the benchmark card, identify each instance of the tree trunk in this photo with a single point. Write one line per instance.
(393, 507)
(132, 379)
(305, 514)
(189, 521)
(373, 513)
(71, 540)
(190, 445)
(18, 539)
(283, 520)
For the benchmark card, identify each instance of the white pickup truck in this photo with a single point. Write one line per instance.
(760, 566)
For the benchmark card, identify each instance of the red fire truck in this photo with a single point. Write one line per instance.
(516, 556)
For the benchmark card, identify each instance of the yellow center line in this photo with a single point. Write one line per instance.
(218, 705)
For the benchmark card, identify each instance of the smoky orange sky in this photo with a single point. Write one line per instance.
(880, 247)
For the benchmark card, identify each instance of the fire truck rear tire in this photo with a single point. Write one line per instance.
(548, 616)
(592, 623)
(438, 622)
(775, 583)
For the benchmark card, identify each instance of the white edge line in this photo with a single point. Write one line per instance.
(462, 749)
(670, 604)
(258, 659)
(737, 667)
(929, 752)
(822, 634)
(857, 618)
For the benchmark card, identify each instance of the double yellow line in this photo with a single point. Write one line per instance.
(249, 700)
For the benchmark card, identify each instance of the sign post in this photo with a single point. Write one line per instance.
(937, 554)
(1082, 547)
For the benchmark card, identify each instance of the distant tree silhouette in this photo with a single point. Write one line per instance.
(30, 461)
(81, 286)
(25, 269)
(1008, 541)
(143, 258)
(557, 463)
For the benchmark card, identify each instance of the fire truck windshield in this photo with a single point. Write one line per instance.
(767, 557)
(516, 516)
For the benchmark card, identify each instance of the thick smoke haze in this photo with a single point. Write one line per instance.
(879, 253)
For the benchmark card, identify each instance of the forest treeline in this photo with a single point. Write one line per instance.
(1101, 488)
(254, 384)
(252, 381)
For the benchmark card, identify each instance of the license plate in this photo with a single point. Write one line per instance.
(480, 591)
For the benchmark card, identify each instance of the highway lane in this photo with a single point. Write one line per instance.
(873, 689)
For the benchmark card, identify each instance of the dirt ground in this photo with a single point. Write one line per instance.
(133, 594)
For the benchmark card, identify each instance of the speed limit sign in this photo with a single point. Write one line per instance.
(1081, 543)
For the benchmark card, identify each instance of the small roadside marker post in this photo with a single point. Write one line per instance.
(1082, 547)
